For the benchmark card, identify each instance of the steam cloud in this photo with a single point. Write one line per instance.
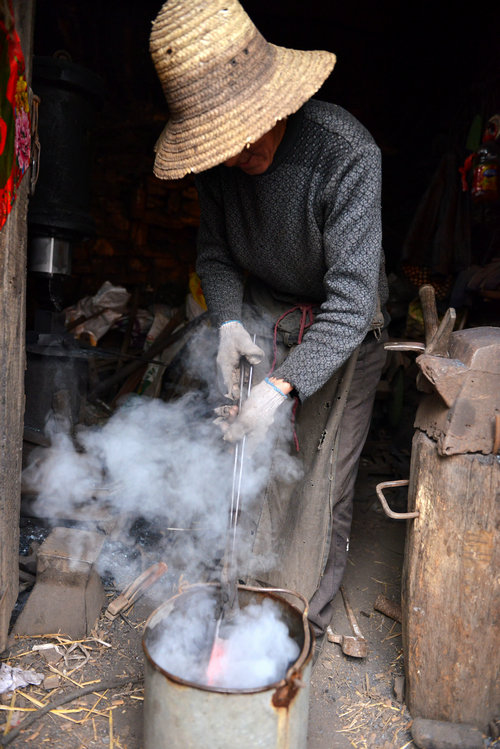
(165, 464)
(257, 648)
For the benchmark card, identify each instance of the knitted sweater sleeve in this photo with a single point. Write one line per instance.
(352, 250)
(221, 280)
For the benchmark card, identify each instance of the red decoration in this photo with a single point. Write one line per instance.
(15, 128)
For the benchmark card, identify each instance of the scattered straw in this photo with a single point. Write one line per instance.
(100, 697)
(111, 729)
(14, 657)
(34, 735)
(54, 708)
(9, 716)
(63, 675)
(391, 637)
(371, 708)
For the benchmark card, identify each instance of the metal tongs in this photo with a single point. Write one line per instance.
(228, 603)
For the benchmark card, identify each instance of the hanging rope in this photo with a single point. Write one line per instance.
(306, 320)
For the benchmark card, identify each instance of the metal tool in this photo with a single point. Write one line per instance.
(353, 645)
(136, 588)
(391, 513)
(229, 572)
(228, 605)
(389, 608)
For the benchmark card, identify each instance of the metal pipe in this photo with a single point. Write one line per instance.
(390, 513)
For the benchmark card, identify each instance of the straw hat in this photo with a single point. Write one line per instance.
(225, 85)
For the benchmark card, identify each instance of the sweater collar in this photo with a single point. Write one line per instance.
(293, 127)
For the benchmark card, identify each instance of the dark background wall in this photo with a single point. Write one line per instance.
(414, 74)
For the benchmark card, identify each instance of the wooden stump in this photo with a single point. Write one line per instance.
(451, 593)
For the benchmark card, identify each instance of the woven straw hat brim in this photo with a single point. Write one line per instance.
(217, 134)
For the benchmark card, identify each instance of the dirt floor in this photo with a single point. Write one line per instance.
(353, 701)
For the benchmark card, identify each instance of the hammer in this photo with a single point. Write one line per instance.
(353, 645)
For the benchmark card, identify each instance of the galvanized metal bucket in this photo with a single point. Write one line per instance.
(180, 714)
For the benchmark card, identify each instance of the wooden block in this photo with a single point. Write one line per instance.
(450, 595)
(68, 594)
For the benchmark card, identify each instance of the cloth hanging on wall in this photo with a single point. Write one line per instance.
(439, 235)
(15, 130)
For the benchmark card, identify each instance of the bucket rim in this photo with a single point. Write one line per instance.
(292, 675)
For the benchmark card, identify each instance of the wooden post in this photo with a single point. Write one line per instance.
(451, 594)
(13, 241)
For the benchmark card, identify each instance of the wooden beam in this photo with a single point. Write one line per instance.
(13, 241)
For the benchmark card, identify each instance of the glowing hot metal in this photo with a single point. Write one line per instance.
(228, 605)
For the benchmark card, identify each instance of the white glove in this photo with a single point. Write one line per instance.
(257, 413)
(234, 342)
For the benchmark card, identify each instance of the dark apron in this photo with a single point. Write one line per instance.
(292, 523)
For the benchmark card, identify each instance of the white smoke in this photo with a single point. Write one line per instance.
(258, 648)
(165, 464)
(255, 648)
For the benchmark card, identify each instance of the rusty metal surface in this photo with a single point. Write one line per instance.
(354, 645)
(460, 376)
(477, 348)
(180, 714)
(446, 375)
(461, 413)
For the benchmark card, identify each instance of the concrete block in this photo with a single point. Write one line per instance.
(437, 734)
(68, 594)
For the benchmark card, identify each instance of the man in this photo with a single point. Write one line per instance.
(289, 248)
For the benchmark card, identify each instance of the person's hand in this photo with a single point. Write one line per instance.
(234, 342)
(257, 413)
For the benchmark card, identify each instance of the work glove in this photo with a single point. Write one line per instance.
(256, 415)
(234, 342)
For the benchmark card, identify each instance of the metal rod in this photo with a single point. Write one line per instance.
(240, 457)
(236, 457)
(228, 575)
(228, 582)
(390, 513)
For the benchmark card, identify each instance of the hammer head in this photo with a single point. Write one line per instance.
(356, 647)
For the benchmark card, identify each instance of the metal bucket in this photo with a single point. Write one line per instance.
(180, 714)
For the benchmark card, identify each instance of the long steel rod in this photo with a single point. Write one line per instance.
(228, 578)
(239, 458)
(228, 583)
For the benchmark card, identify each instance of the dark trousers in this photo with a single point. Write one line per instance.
(306, 525)
(354, 428)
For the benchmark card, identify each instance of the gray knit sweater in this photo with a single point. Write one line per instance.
(309, 228)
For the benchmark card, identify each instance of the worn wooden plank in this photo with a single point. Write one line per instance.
(451, 595)
(13, 239)
(12, 365)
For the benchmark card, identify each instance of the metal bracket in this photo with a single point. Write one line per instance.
(390, 513)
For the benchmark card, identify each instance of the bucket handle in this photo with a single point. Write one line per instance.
(390, 513)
